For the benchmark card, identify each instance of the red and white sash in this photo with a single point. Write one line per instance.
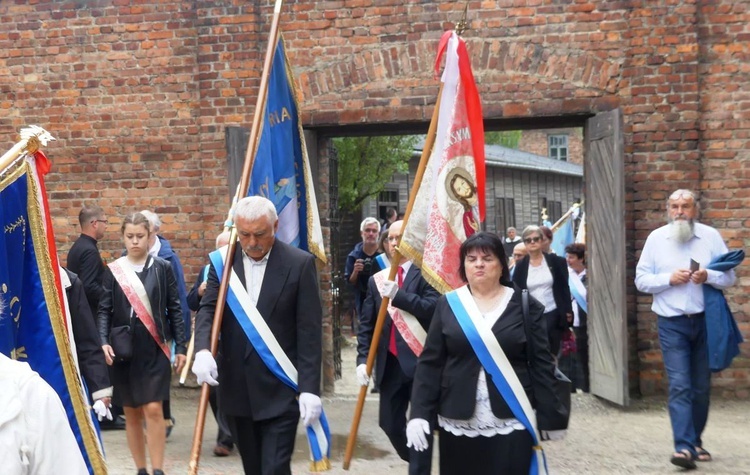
(136, 294)
(406, 323)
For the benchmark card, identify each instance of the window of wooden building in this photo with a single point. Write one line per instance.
(558, 147)
(505, 214)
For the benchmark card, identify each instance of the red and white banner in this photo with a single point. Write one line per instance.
(450, 202)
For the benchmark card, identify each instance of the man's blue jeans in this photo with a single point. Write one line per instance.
(685, 353)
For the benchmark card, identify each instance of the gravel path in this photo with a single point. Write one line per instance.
(602, 439)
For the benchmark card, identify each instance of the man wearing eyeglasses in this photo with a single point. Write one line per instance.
(672, 268)
(84, 259)
(412, 302)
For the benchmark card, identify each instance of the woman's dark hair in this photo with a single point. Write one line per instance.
(577, 249)
(547, 232)
(489, 243)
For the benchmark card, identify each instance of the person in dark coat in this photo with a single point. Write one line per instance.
(140, 294)
(84, 259)
(282, 283)
(479, 433)
(86, 337)
(396, 359)
(159, 246)
(224, 443)
(546, 278)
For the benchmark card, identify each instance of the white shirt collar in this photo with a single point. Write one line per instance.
(154, 251)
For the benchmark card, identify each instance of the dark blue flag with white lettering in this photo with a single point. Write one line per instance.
(281, 171)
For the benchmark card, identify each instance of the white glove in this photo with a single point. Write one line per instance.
(101, 410)
(310, 408)
(204, 368)
(553, 434)
(388, 288)
(416, 434)
(362, 377)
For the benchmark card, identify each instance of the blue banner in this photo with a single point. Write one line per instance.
(32, 328)
(563, 236)
(281, 171)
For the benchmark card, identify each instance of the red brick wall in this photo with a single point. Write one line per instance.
(139, 96)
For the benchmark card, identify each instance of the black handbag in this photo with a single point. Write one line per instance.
(563, 384)
(121, 341)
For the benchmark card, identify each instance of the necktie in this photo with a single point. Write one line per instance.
(392, 342)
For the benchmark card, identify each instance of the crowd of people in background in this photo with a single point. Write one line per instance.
(440, 358)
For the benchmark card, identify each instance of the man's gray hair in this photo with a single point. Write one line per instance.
(254, 207)
(153, 220)
(682, 193)
(368, 221)
(510, 229)
(224, 236)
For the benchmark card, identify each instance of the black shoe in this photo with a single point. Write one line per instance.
(158, 472)
(170, 424)
(142, 471)
(118, 423)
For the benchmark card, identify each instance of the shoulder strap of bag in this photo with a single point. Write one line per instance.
(529, 340)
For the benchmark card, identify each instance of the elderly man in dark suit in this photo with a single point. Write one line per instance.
(396, 357)
(282, 284)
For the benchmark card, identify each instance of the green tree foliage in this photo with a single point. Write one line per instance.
(367, 164)
(506, 138)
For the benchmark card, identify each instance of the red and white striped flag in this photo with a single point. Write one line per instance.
(449, 204)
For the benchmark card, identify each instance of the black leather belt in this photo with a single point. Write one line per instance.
(694, 315)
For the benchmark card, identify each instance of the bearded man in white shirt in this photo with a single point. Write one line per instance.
(672, 268)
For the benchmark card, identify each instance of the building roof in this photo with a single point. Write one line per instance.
(504, 157)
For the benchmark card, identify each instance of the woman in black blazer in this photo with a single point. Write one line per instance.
(479, 434)
(546, 277)
(141, 384)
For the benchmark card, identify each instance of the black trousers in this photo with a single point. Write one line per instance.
(582, 348)
(395, 392)
(499, 455)
(224, 437)
(266, 446)
(554, 331)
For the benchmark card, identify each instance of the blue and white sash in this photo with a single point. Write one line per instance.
(577, 290)
(492, 358)
(383, 261)
(268, 348)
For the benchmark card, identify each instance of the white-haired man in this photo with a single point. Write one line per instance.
(281, 287)
(158, 246)
(412, 302)
(361, 263)
(672, 267)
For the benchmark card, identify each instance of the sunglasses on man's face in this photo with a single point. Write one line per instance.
(529, 240)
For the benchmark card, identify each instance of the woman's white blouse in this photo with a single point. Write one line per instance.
(539, 283)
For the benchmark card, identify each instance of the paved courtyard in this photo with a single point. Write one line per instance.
(603, 439)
